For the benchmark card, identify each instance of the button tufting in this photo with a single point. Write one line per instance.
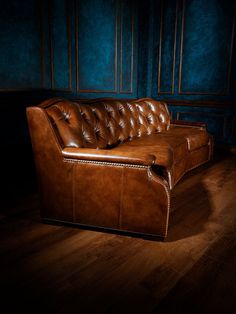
(105, 123)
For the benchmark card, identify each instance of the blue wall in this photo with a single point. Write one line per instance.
(20, 60)
(181, 51)
(190, 61)
(85, 48)
(192, 49)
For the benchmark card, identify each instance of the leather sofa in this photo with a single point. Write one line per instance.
(112, 163)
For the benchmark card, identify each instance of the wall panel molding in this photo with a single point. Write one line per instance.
(210, 115)
(201, 103)
(131, 68)
(213, 93)
(52, 48)
(160, 50)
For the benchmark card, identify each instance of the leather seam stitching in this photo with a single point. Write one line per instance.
(121, 199)
(73, 194)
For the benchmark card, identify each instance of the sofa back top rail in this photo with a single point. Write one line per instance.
(105, 123)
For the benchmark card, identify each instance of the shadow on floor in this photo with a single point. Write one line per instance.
(191, 202)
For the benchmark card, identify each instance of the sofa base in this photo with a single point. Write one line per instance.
(145, 236)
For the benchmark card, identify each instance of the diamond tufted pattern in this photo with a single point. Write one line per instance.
(106, 123)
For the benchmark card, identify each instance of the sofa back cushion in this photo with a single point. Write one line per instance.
(105, 123)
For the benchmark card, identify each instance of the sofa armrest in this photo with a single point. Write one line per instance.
(189, 123)
(109, 155)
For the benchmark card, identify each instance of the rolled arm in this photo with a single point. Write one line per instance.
(109, 155)
(188, 123)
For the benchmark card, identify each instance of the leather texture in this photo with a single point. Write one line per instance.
(112, 163)
(105, 124)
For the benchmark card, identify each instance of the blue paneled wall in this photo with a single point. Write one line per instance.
(206, 47)
(194, 51)
(106, 53)
(97, 46)
(87, 48)
(190, 61)
(181, 51)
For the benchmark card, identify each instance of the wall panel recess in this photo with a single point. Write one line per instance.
(206, 47)
(97, 46)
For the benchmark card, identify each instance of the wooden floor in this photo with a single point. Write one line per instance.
(58, 269)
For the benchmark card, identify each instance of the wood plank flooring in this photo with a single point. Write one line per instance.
(58, 269)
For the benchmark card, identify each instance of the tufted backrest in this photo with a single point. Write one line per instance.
(105, 123)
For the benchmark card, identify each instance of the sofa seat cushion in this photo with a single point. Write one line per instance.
(166, 149)
(196, 138)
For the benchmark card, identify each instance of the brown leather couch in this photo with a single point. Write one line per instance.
(112, 163)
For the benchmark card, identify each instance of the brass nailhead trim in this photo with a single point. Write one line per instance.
(160, 181)
(113, 164)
